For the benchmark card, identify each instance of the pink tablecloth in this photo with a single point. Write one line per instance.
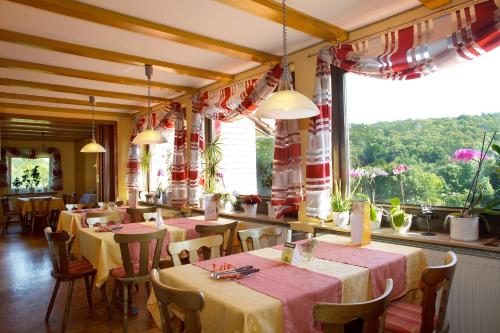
(296, 288)
(382, 265)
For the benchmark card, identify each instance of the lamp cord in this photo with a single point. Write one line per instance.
(285, 82)
(93, 115)
(149, 126)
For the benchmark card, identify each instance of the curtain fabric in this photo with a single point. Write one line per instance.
(179, 177)
(56, 183)
(404, 54)
(229, 104)
(287, 188)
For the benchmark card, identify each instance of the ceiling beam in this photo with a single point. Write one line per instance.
(71, 101)
(78, 90)
(433, 4)
(134, 24)
(92, 52)
(81, 74)
(27, 126)
(16, 106)
(297, 20)
(44, 120)
(37, 138)
(47, 134)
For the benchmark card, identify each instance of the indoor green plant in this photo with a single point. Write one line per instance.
(212, 157)
(250, 203)
(17, 183)
(400, 220)
(340, 204)
(145, 164)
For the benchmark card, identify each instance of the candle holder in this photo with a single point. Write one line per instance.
(427, 212)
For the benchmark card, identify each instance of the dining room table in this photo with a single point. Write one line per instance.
(23, 204)
(280, 297)
(72, 220)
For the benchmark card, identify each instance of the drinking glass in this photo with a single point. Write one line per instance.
(308, 249)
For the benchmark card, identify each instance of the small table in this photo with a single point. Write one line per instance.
(23, 205)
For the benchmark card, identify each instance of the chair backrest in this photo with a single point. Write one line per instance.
(40, 206)
(189, 300)
(73, 199)
(226, 230)
(119, 203)
(255, 235)
(135, 214)
(213, 243)
(144, 257)
(107, 215)
(65, 199)
(5, 205)
(186, 211)
(153, 217)
(370, 315)
(435, 278)
(299, 229)
(58, 250)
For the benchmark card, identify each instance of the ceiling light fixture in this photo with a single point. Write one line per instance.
(286, 103)
(149, 136)
(92, 147)
(43, 150)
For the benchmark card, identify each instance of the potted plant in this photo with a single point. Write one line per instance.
(35, 176)
(250, 203)
(369, 177)
(400, 220)
(226, 202)
(212, 157)
(340, 205)
(464, 225)
(17, 184)
(145, 164)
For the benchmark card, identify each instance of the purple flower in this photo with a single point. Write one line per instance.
(356, 173)
(466, 155)
(160, 173)
(402, 168)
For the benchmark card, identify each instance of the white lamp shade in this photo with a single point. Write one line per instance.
(287, 104)
(149, 137)
(93, 147)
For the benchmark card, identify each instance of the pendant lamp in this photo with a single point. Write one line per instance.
(43, 150)
(92, 147)
(149, 136)
(286, 103)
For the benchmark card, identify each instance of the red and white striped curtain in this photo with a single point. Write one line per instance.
(287, 189)
(404, 54)
(179, 177)
(227, 104)
(163, 121)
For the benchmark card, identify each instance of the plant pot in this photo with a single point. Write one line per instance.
(404, 226)
(211, 207)
(250, 209)
(226, 206)
(464, 228)
(374, 225)
(341, 218)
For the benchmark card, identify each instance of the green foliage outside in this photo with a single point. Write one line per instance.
(265, 157)
(19, 165)
(426, 146)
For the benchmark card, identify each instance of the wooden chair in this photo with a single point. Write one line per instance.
(65, 198)
(191, 302)
(8, 214)
(40, 210)
(135, 214)
(226, 230)
(213, 243)
(186, 211)
(300, 230)
(133, 273)
(406, 317)
(73, 199)
(255, 235)
(64, 270)
(366, 317)
(119, 203)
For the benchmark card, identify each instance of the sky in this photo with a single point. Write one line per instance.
(472, 88)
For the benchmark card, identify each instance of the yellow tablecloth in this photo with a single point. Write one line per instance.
(72, 221)
(23, 205)
(232, 307)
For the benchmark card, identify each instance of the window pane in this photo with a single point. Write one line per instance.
(421, 123)
(161, 163)
(22, 166)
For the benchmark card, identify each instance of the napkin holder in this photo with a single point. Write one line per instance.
(290, 254)
(360, 223)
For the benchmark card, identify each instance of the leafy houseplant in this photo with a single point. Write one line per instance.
(145, 163)
(341, 204)
(17, 183)
(31, 177)
(212, 157)
(465, 224)
(250, 203)
(400, 220)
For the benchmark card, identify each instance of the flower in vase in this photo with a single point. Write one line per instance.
(356, 173)
(402, 168)
(466, 155)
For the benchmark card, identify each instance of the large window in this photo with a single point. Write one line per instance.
(421, 123)
(162, 156)
(23, 170)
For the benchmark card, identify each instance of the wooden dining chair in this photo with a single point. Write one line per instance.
(186, 211)
(406, 317)
(192, 246)
(190, 302)
(226, 230)
(119, 203)
(366, 317)
(135, 214)
(271, 233)
(8, 214)
(73, 199)
(40, 211)
(134, 273)
(299, 231)
(64, 270)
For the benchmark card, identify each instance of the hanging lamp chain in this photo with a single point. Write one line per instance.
(285, 82)
(92, 102)
(149, 73)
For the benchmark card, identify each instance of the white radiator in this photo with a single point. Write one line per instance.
(474, 303)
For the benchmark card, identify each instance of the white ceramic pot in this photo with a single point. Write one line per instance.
(464, 228)
(250, 210)
(374, 225)
(341, 218)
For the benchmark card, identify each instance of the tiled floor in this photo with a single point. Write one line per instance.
(26, 286)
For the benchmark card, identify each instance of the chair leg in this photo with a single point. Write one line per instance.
(148, 288)
(125, 308)
(105, 300)
(68, 304)
(52, 300)
(33, 220)
(88, 290)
